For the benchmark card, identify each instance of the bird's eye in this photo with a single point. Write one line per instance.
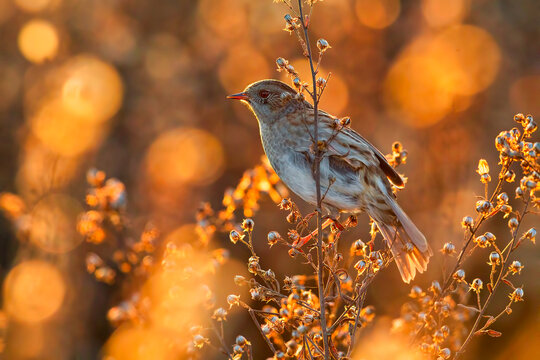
(264, 93)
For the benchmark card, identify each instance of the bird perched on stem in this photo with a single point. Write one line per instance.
(354, 176)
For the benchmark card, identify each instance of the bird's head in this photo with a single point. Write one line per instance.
(267, 98)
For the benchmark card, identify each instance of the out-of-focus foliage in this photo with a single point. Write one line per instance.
(137, 88)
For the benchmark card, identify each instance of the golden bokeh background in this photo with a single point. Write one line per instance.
(137, 88)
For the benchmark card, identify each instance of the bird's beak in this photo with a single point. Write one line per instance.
(239, 96)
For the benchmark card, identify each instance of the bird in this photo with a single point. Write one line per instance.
(355, 177)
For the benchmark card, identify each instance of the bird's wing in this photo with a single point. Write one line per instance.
(355, 149)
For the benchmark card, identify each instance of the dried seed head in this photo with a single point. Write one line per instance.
(435, 287)
(467, 222)
(293, 252)
(285, 204)
(515, 267)
(509, 176)
(484, 207)
(502, 198)
(273, 237)
(323, 45)
(530, 235)
(517, 295)
(297, 83)
(235, 236)
(199, 341)
(321, 82)
(289, 19)
(237, 349)
(482, 241)
(248, 225)
(397, 147)
(374, 256)
(519, 118)
(513, 224)
(358, 248)
(476, 285)
(506, 210)
(360, 266)
(292, 218)
(445, 353)
(438, 337)
(494, 258)
(256, 294)
(233, 300)
(459, 275)
(220, 314)
(240, 280)
(281, 63)
(416, 292)
(490, 237)
(448, 248)
(377, 265)
(483, 170)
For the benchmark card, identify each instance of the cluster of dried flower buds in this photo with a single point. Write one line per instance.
(107, 199)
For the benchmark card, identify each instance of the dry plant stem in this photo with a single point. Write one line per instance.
(219, 335)
(478, 222)
(317, 175)
(490, 296)
(252, 314)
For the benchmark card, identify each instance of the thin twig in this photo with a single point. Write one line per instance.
(490, 296)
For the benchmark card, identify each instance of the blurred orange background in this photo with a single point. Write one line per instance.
(137, 88)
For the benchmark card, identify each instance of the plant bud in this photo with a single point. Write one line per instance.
(234, 236)
(321, 82)
(476, 285)
(517, 295)
(467, 222)
(494, 258)
(515, 267)
(273, 237)
(248, 225)
(459, 275)
(448, 248)
(323, 45)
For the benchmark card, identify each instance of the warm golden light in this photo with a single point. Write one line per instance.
(184, 156)
(377, 14)
(132, 342)
(242, 66)
(415, 91)
(32, 5)
(444, 12)
(33, 291)
(436, 75)
(92, 89)
(38, 41)
(53, 223)
(524, 94)
(473, 53)
(224, 20)
(382, 344)
(64, 132)
(336, 94)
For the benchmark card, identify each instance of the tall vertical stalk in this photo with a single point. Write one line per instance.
(317, 176)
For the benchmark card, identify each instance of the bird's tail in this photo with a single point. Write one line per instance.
(407, 244)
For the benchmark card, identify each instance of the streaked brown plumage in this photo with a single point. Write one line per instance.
(361, 173)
